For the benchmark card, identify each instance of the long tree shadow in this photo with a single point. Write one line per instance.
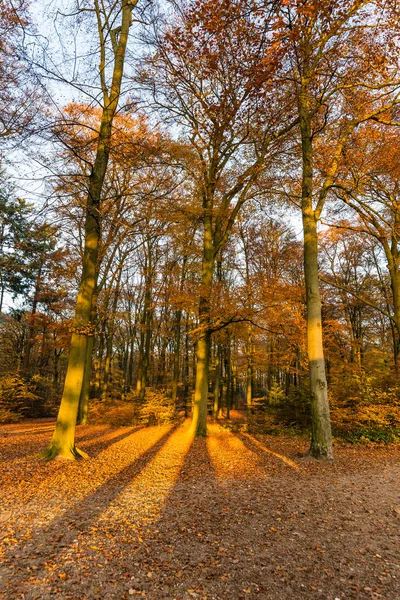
(95, 444)
(33, 431)
(45, 543)
(184, 546)
(266, 454)
(214, 537)
(95, 441)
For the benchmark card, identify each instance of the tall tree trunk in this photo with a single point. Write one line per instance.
(145, 355)
(178, 335)
(139, 375)
(162, 362)
(129, 374)
(186, 367)
(321, 438)
(217, 382)
(393, 259)
(145, 329)
(233, 362)
(83, 409)
(249, 374)
(110, 336)
(2, 288)
(98, 361)
(204, 339)
(63, 440)
(228, 380)
(175, 382)
(31, 328)
(107, 364)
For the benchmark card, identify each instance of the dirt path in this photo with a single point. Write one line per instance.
(154, 514)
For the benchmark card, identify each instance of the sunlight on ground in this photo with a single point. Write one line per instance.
(51, 492)
(137, 502)
(283, 458)
(155, 481)
(229, 456)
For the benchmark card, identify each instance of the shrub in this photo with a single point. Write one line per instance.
(156, 409)
(118, 413)
(7, 416)
(16, 397)
(47, 398)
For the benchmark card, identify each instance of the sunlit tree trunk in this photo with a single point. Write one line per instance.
(107, 363)
(204, 338)
(98, 360)
(321, 439)
(162, 362)
(63, 441)
(395, 284)
(234, 376)
(393, 260)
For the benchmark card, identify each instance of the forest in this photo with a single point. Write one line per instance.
(199, 288)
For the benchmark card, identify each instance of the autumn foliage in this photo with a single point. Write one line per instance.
(170, 248)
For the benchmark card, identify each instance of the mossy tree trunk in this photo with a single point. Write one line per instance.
(321, 437)
(204, 338)
(63, 441)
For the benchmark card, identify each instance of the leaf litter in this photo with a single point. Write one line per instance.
(155, 514)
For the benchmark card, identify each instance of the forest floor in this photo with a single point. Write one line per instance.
(155, 514)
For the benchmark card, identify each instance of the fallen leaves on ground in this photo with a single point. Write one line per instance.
(155, 514)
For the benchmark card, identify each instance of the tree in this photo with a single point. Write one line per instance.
(20, 97)
(370, 187)
(212, 74)
(63, 441)
(13, 232)
(340, 62)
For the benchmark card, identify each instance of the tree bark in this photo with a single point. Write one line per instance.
(83, 409)
(228, 380)
(321, 437)
(175, 382)
(249, 374)
(217, 382)
(199, 423)
(63, 441)
(31, 328)
(145, 339)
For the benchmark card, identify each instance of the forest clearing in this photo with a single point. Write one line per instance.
(155, 513)
(200, 299)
